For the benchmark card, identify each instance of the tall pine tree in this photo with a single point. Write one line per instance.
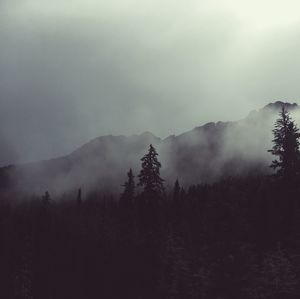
(129, 189)
(149, 177)
(286, 146)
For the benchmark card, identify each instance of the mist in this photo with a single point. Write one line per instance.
(71, 71)
(203, 155)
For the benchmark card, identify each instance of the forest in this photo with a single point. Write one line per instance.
(237, 238)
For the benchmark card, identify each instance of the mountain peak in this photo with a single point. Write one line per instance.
(278, 105)
(205, 154)
(150, 136)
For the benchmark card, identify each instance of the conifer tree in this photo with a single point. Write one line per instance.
(286, 146)
(129, 189)
(176, 191)
(149, 177)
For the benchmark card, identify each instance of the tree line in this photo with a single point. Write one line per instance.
(237, 238)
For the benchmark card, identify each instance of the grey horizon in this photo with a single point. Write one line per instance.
(73, 71)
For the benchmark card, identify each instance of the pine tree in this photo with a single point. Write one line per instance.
(176, 191)
(149, 177)
(286, 146)
(129, 189)
(126, 215)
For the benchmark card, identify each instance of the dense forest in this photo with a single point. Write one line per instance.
(238, 238)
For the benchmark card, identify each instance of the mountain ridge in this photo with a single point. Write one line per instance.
(204, 154)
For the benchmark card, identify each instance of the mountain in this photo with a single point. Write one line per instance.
(205, 154)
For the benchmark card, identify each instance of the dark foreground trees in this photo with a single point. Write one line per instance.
(235, 239)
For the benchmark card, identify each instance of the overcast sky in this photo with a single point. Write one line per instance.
(72, 70)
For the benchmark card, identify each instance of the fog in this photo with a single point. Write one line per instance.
(205, 154)
(72, 70)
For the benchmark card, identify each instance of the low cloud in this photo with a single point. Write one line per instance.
(74, 70)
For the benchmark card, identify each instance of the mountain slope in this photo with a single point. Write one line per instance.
(204, 154)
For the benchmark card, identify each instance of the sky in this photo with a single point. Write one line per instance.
(73, 70)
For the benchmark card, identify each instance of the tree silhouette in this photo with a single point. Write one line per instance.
(176, 191)
(286, 146)
(129, 189)
(149, 177)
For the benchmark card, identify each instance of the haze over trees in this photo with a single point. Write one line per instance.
(214, 151)
(236, 238)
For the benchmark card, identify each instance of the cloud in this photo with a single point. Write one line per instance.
(74, 70)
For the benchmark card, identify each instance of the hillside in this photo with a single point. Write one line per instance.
(204, 154)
